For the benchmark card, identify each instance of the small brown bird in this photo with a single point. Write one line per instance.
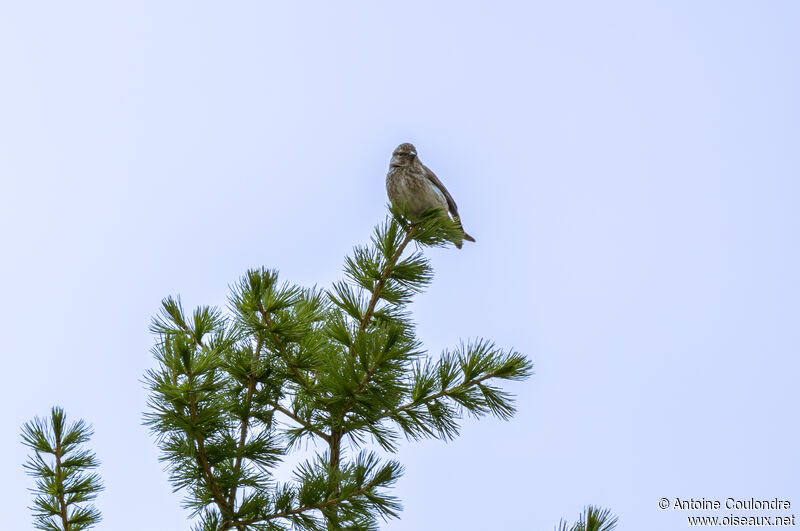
(411, 184)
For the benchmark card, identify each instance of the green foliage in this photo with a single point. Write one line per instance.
(64, 485)
(592, 519)
(289, 368)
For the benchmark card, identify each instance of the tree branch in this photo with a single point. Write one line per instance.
(205, 467)
(62, 506)
(321, 505)
(202, 457)
(376, 291)
(425, 400)
(300, 421)
(251, 385)
(276, 338)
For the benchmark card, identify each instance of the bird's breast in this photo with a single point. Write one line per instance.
(411, 188)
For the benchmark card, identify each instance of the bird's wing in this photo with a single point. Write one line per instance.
(451, 204)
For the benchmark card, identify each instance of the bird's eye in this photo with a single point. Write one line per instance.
(412, 153)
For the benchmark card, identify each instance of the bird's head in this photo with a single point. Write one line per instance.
(404, 155)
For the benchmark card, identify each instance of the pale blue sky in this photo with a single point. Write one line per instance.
(630, 170)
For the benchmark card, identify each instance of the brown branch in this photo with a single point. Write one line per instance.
(267, 321)
(321, 505)
(359, 387)
(300, 421)
(251, 385)
(440, 394)
(276, 338)
(205, 467)
(337, 432)
(62, 505)
(376, 291)
(202, 458)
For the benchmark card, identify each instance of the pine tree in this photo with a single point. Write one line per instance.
(335, 371)
(64, 484)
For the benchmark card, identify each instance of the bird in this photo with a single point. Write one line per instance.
(413, 186)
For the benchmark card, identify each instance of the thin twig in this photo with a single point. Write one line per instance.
(321, 505)
(376, 291)
(267, 321)
(424, 400)
(59, 480)
(300, 421)
(276, 338)
(202, 457)
(251, 385)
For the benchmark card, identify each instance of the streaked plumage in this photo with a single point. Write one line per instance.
(411, 183)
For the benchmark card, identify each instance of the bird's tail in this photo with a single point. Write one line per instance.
(465, 235)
